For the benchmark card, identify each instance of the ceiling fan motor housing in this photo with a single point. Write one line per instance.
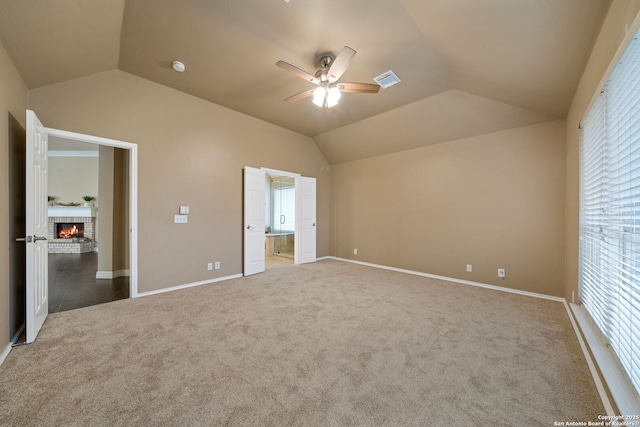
(325, 63)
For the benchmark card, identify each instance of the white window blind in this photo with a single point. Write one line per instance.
(610, 212)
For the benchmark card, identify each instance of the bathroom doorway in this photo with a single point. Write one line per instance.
(280, 220)
(258, 211)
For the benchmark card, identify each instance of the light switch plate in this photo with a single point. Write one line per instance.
(180, 219)
(184, 210)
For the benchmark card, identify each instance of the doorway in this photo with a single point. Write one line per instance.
(280, 220)
(259, 203)
(87, 192)
(37, 224)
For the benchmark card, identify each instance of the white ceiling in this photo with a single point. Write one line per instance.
(521, 59)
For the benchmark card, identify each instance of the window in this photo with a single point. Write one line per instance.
(610, 212)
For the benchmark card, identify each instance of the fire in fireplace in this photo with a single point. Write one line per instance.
(69, 231)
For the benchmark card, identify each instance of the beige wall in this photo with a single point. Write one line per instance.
(70, 178)
(120, 249)
(614, 29)
(191, 152)
(493, 201)
(104, 222)
(113, 214)
(13, 100)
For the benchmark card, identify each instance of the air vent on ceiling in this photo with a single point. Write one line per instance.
(387, 79)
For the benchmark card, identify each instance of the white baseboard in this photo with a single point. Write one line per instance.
(452, 279)
(5, 353)
(112, 274)
(188, 285)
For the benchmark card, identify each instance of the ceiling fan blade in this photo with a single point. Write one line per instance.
(300, 95)
(297, 72)
(358, 87)
(341, 63)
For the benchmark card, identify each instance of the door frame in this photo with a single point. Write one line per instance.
(272, 172)
(133, 193)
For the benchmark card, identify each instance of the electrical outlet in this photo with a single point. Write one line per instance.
(217, 265)
(355, 252)
(210, 266)
(501, 273)
(469, 268)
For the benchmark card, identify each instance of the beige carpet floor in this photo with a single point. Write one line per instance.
(323, 344)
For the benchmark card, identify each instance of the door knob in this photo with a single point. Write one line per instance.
(30, 239)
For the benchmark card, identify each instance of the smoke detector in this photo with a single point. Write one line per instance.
(178, 66)
(387, 79)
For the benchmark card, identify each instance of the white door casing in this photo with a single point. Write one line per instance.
(254, 223)
(133, 193)
(305, 236)
(37, 286)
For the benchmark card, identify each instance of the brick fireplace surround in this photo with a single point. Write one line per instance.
(65, 215)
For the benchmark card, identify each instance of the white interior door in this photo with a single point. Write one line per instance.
(254, 228)
(305, 246)
(37, 285)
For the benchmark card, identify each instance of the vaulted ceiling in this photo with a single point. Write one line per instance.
(467, 66)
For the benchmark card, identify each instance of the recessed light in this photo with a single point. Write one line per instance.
(178, 66)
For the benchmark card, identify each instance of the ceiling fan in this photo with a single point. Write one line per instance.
(329, 89)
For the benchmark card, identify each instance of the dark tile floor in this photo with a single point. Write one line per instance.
(73, 283)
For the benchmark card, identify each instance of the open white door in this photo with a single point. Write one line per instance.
(254, 238)
(305, 247)
(37, 286)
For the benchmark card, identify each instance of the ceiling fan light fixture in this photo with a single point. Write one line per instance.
(318, 96)
(333, 95)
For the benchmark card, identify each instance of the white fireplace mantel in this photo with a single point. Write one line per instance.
(72, 211)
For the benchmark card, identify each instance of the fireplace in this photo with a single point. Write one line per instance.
(65, 230)
(71, 229)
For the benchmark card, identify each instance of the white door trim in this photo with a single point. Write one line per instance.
(133, 193)
(276, 172)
